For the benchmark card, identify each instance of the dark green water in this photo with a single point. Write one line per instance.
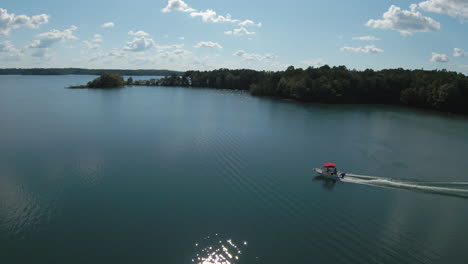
(167, 175)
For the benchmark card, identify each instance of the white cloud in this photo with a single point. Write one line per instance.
(7, 46)
(66, 34)
(208, 44)
(9, 50)
(463, 66)
(406, 22)
(249, 23)
(365, 49)
(9, 21)
(138, 33)
(47, 39)
(90, 45)
(97, 38)
(437, 57)
(254, 56)
(453, 8)
(366, 38)
(459, 53)
(94, 43)
(239, 32)
(175, 54)
(177, 5)
(208, 15)
(313, 63)
(166, 47)
(108, 25)
(181, 38)
(139, 44)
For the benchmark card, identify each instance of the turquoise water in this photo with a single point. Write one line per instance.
(180, 175)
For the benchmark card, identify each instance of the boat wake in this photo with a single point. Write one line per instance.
(457, 189)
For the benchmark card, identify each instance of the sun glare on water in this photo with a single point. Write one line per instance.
(220, 251)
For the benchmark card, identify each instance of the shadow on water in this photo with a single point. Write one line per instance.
(453, 189)
(328, 184)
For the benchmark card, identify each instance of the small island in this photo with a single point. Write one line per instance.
(105, 81)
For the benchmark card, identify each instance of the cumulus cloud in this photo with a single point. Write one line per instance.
(108, 25)
(49, 38)
(406, 22)
(249, 23)
(239, 32)
(437, 57)
(139, 44)
(459, 53)
(138, 33)
(365, 49)
(177, 5)
(254, 56)
(208, 44)
(208, 15)
(453, 8)
(9, 21)
(366, 38)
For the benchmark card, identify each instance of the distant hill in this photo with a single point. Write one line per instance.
(78, 71)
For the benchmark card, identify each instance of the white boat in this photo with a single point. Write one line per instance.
(329, 171)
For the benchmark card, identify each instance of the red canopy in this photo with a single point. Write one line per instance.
(329, 165)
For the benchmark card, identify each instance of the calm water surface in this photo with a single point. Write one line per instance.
(178, 175)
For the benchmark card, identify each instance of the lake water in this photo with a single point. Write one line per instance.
(180, 175)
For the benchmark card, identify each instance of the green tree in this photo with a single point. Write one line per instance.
(107, 80)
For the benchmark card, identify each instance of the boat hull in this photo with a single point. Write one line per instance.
(326, 175)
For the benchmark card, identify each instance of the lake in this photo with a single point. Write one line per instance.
(181, 175)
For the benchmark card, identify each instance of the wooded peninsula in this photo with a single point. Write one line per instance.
(439, 90)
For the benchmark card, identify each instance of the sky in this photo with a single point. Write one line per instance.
(211, 34)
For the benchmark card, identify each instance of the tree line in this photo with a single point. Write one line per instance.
(440, 90)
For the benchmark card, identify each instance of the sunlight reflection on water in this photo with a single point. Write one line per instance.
(213, 249)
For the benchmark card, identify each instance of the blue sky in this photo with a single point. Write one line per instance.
(208, 34)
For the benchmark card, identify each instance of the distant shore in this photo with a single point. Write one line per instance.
(81, 71)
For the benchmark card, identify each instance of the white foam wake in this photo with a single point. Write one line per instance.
(447, 188)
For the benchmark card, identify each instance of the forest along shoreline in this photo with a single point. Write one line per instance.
(438, 90)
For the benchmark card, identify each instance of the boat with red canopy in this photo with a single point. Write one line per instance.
(330, 171)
